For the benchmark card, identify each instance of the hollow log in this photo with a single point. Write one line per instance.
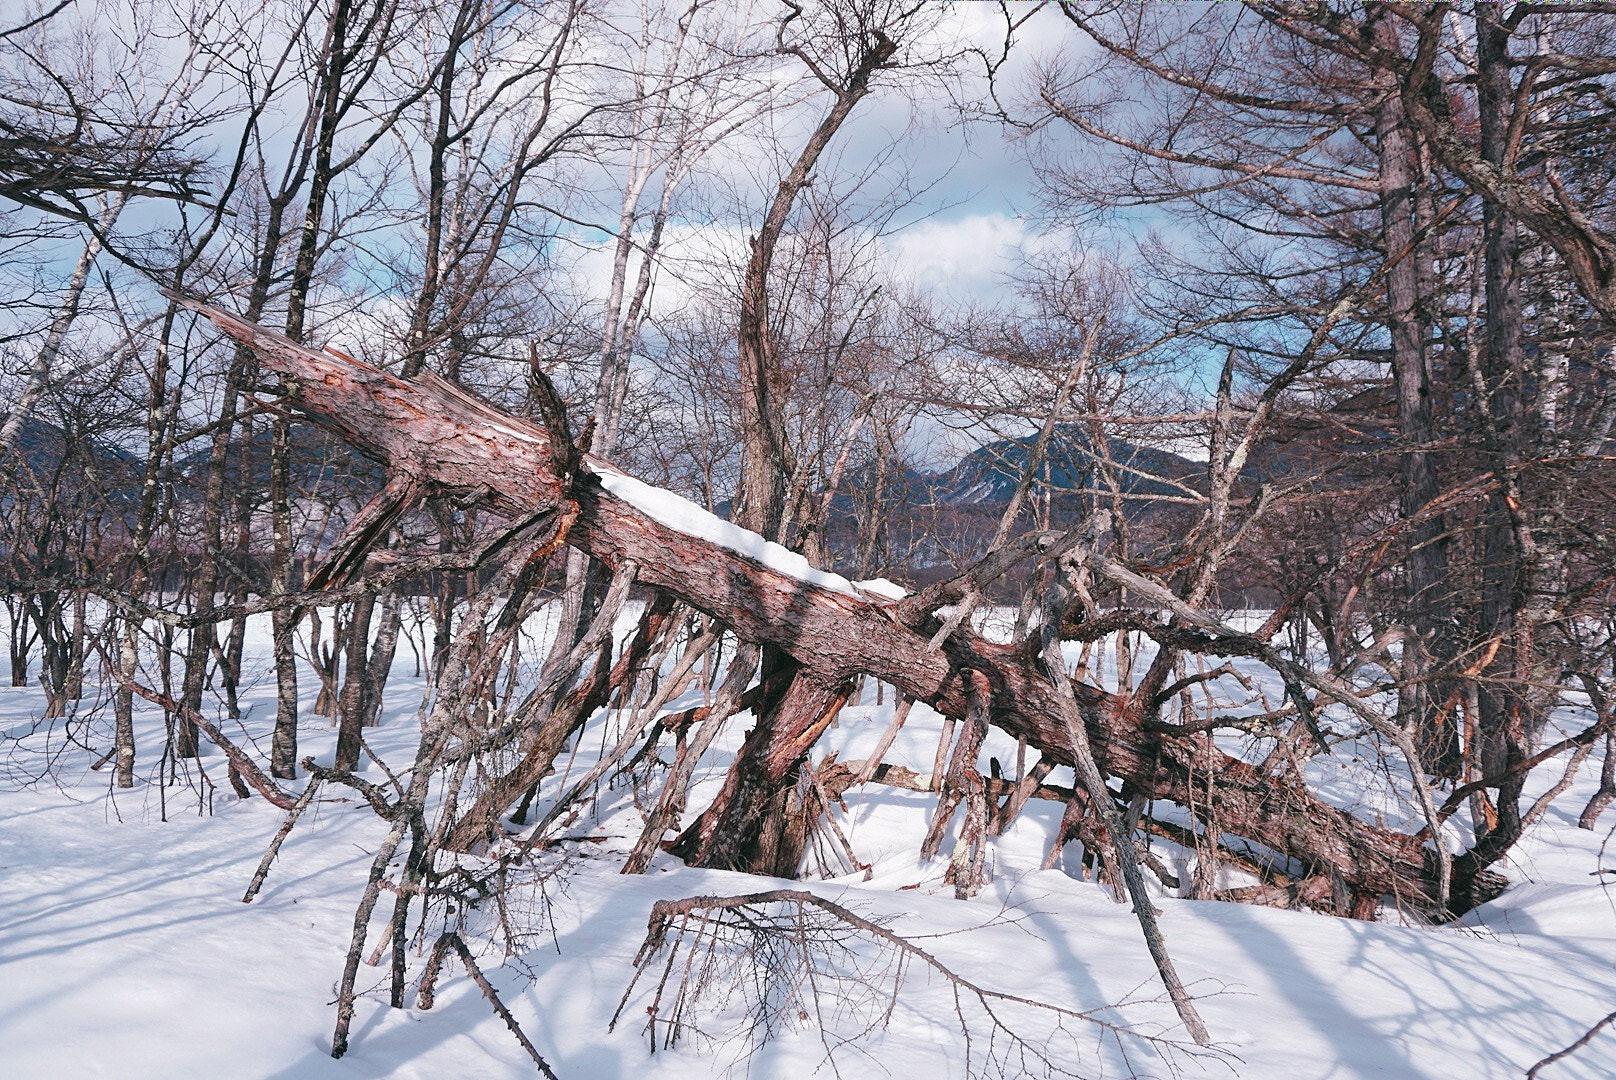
(439, 436)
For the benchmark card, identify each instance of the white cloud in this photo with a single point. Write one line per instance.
(970, 258)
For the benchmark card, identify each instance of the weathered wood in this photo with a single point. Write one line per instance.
(441, 437)
(543, 742)
(428, 429)
(967, 869)
(753, 823)
(961, 778)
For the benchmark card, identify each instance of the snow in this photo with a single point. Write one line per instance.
(881, 589)
(682, 515)
(125, 949)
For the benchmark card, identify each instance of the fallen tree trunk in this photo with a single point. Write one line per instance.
(438, 437)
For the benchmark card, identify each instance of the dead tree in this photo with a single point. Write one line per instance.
(1452, 112)
(440, 438)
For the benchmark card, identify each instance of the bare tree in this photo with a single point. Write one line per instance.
(1468, 645)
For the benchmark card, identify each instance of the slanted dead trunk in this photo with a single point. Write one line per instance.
(756, 823)
(445, 440)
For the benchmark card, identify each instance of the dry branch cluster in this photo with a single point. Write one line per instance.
(767, 963)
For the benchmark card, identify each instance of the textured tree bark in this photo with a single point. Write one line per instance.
(446, 440)
(1426, 564)
(1510, 707)
(755, 823)
(353, 706)
(283, 621)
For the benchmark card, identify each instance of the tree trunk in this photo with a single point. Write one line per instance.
(1426, 564)
(1507, 717)
(353, 705)
(446, 440)
(123, 703)
(753, 824)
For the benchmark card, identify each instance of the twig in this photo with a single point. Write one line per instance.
(238, 757)
(452, 940)
(285, 830)
(1587, 1037)
(703, 925)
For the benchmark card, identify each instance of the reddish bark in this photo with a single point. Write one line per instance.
(753, 823)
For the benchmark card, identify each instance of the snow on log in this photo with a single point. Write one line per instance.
(440, 436)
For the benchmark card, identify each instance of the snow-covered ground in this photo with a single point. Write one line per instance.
(126, 951)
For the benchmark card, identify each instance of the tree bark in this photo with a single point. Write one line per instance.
(1426, 563)
(1506, 722)
(753, 825)
(353, 706)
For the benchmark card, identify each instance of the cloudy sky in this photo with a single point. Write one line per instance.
(967, 189)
